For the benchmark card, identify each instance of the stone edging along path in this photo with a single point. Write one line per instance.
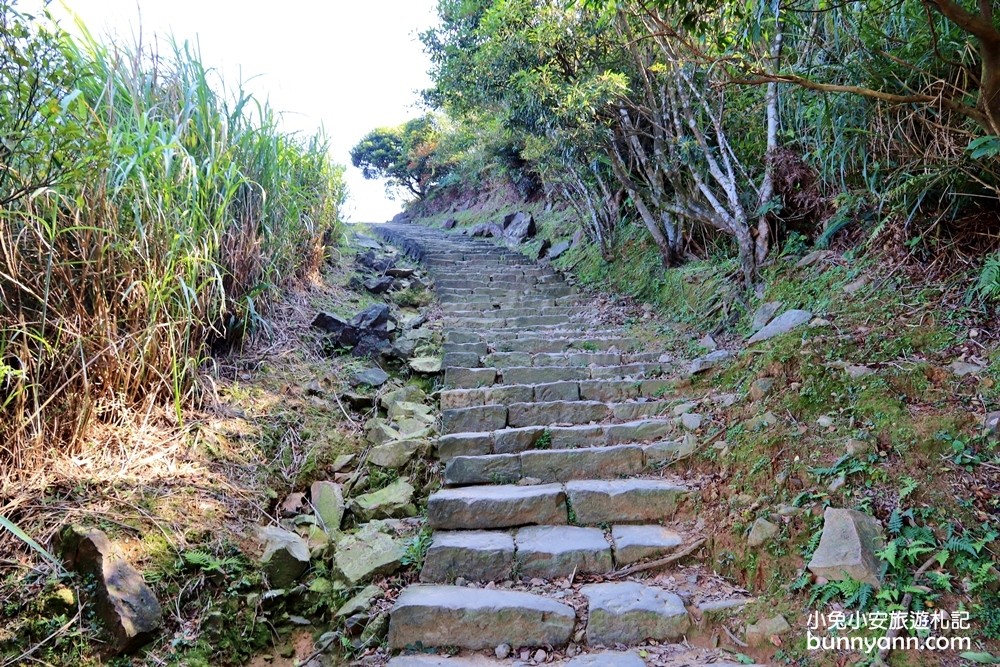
(550, 443)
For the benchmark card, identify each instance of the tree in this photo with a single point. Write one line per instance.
(401, 155)
(44, 138)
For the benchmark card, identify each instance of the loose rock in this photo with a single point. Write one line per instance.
(125, 604)
(847, 547)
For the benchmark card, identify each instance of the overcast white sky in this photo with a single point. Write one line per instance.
(350, 65)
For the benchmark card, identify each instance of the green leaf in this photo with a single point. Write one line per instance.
(983, 658)
(24, 537)
(744, 659)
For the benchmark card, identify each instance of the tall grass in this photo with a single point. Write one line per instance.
(188, 211)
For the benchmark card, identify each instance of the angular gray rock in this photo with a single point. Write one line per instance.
(558, 249)
(782, 324)
(709, 361)
(629, 613)
(373, 377)
(396, 453)
(847, 547)
(520, 228)
(476, 555)
(477, 618)
(761, 533)
(764, 315)
(286, 556)
(328, 501)
(369, 552)
(125, 604)
(549, 552)
(394, 501)
(759, 633)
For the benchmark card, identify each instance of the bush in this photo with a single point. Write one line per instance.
(173, 210)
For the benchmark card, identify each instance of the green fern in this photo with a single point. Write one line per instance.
(206, 562)
(988, 286)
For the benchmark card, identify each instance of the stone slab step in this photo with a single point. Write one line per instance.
(516, 440)
(546, 552)
(541, 345)
(628, 613)
(550, 552)
(459, 377)
(522, 311)
(476, 555)
(603, 391)
(546, 465)
(623, 500)
(470, 618)
(479, 507)
(577, 332)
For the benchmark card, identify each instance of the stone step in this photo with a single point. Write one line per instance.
(605, 391)
(552, 345)
(478, 507)
(500, 322)
(504, 360)
(519, 311)
(546, 552)
(519, 301)
(577, 331)
(470, 618)
(517, 440)
(547, 465)
(592, 502)
(623, 500)
(535, 413)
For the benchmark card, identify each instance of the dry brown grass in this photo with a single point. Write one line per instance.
(162, 485)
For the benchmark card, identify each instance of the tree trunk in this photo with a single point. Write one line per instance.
(763, 240)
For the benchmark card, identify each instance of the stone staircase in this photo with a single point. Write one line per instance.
(553, 430)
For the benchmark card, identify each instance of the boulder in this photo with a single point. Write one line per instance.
(710, 360)
(485, 230)
(761, 388)
(782, 324)
(397, 272)
(286, 556)
(765, 314)
(761, 533)
(847, 547)
(558, 249)
(521, 228)
(449, 223)
(125, 604)
(396, 453)
(370, 552)
(394, 501)
(373, 377)
(379, 285)
(366, 333)
(360, 602)
(378, 431)
(409, 394)
(328, 502)
(543, 249)
(426, 365)
(758, 633)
